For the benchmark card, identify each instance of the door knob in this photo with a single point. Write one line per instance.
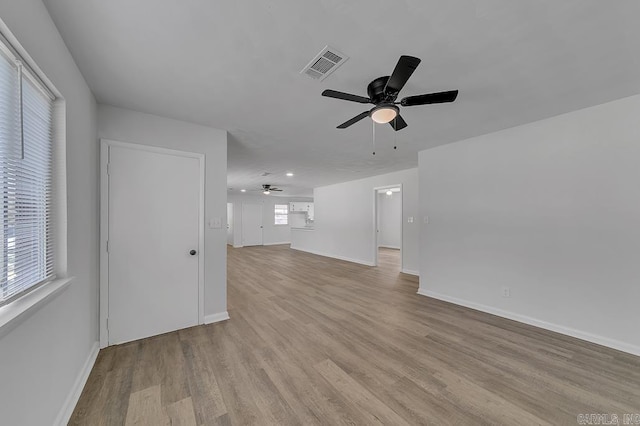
(193, 252)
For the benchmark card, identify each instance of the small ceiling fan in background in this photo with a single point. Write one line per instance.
(383, 92)
(266, 189)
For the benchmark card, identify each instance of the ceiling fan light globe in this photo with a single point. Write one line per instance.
(384, 113)
(267, 192)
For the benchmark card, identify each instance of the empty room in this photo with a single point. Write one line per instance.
(319, 213)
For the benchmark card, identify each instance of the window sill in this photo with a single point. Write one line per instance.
(12, 313)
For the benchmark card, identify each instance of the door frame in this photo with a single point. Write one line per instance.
(375, 223)
(105, 144)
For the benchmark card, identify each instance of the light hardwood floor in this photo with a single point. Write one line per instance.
(316, 341)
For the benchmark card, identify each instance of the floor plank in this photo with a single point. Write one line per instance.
(315, 341)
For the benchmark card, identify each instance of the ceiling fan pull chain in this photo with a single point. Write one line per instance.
(374, 136)
(395, 134)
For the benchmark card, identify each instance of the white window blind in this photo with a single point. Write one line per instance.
(26, 174)
(281, 214)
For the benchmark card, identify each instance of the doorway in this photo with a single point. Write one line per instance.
(230, 224)
(388, 220)
(252, 225)
(152, 230)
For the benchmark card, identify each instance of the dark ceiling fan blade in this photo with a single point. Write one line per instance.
(276, 189)
(346, 96)
(398, 123)
(430, 98)
(404, 68)
(353, 120)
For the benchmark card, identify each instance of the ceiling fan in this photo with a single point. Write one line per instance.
(383, 92)
(266, 189)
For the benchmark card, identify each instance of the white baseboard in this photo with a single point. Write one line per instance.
(220, 316)
(410, 272)
(237, 246)
(583, 335)
(64, 415)
(277, 244)
(389, 247)
(346, 259)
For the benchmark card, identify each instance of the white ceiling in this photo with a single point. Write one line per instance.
(235, 65)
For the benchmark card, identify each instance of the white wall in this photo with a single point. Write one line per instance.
(390, 220)
(43, 355)
(271, 234)
(549, 209)
(345, 224)
(145, 129)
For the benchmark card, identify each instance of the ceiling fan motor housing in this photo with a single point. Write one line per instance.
(375, 90)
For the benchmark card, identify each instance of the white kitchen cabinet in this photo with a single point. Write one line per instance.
(301, 207)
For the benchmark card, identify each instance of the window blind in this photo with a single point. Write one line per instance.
(26, 174)
(281, 215)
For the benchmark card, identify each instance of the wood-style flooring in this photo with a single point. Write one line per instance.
(317, 341)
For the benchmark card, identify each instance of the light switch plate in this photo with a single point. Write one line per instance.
(410, 219)
(215, 223)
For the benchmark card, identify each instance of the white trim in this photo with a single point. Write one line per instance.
(390, 247)
(583, 335)
(234, 246)
(104, 235)
(201, 230)
(104, 227)
(60, 186)
(12, 313)
(277, 244)
(64, 415)
(410, 272)
(213, 318)
(346, 259)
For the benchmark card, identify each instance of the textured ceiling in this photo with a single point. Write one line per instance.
(235, 65)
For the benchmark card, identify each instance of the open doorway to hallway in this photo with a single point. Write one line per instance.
(388, 241)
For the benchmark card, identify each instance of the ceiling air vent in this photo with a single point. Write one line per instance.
(324, 63)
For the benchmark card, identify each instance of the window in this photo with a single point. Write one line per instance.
(26, 178)
(281, 214)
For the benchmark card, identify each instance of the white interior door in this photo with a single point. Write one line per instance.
(154, 209)
(251, 224)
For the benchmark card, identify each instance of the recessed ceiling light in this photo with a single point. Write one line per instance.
(289, 174)
(389, 192)
(243, 190)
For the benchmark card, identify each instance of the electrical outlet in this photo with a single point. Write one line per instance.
(506, 292)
